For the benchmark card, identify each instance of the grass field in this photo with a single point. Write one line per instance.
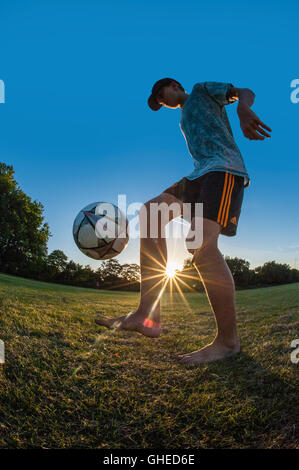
(68, 383)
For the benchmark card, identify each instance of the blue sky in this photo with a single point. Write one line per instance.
(77, 128)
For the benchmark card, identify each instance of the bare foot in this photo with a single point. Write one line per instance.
(211, 352)
(131, 322)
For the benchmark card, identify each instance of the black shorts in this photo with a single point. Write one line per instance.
(220, 192)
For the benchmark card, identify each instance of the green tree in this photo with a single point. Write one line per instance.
(110, 272)
(58, 260)
(294, 275)
(56, 263)
(131, 272)
(274, 273)
(23, 233)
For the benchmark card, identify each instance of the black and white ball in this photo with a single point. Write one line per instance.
(100, 230)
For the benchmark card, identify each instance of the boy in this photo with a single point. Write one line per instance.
(218, 181)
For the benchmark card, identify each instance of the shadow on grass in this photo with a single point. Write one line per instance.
(272, 399)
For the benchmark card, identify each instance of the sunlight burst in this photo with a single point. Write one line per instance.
(171, 269)
(168, 278)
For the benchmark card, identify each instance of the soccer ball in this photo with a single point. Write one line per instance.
(100, 230)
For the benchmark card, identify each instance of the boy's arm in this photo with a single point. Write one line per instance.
(250, 123)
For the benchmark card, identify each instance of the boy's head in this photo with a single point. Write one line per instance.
(166, 92)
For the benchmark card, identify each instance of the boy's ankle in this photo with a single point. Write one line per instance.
(231, 342)
(146, 312)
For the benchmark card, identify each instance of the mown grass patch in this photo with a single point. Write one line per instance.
(68, 383)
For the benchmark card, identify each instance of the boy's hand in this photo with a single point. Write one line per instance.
(251, 124)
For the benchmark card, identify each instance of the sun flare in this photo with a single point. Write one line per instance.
(171, 269)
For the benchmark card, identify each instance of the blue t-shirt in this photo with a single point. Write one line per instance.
(206, 128)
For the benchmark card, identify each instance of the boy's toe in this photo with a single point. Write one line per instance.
(103, 321)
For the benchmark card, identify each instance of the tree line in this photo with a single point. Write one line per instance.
(23, 251)
(269, 274)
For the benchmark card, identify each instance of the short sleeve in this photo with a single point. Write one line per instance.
(219, 91)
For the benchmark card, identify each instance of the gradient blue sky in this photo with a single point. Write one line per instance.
(77, 128)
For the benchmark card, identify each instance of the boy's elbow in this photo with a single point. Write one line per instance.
(251, 92)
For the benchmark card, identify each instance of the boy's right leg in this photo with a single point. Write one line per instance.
(153, 259)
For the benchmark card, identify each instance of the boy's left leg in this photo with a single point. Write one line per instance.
(220, 289)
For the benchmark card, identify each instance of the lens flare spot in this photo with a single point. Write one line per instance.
(149, 323)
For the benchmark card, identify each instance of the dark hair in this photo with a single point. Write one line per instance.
(180, 86)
